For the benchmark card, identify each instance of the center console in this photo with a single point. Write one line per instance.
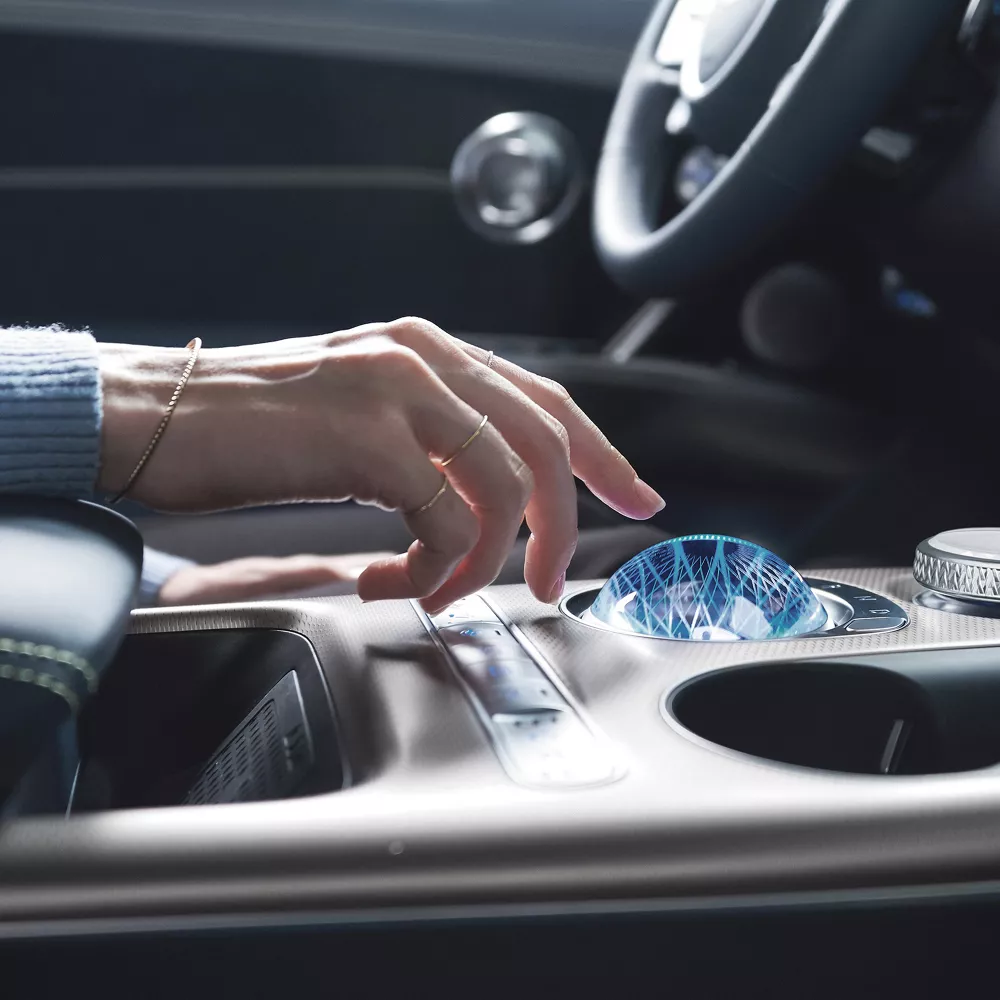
(324, 756)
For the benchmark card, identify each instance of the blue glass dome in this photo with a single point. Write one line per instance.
(709, 588)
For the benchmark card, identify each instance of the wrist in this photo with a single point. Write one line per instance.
(136, 385)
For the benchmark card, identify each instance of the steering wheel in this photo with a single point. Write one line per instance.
(787, 86)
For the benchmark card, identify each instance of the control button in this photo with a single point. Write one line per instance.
(553, 748)
(522, 697)
(487, 673)
(679, 117)
(696, 171)
(890, 145)
(875, 624)
(474, 642)
(468, 609)
(490, 672)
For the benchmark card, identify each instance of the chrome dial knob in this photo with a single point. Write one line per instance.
(963, 564)
(518, 177)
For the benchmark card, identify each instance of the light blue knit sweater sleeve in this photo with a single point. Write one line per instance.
(50, 412)
(50, 425)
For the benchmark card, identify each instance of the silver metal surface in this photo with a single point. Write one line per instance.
(956, 606)
(977, 14)
(433, 824)
(850, 611)
(894, 746)
(518, 177)
(537, 730)
(963, 564)
(637, 329)
(683, 31)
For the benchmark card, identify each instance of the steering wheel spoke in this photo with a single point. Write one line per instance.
(850, 56)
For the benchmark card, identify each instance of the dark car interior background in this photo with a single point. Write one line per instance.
(250, 170)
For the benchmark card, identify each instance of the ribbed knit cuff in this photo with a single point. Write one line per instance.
(50, 412)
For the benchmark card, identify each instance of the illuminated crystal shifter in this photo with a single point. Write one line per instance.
(709, 588)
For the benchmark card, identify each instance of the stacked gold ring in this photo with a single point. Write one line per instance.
(472, 437)
(443, 465)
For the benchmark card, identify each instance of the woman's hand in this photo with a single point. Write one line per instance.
(259, 577)
(371, 414)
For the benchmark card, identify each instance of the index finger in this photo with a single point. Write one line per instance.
(593, 457)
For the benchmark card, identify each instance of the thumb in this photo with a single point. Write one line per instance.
(259, 577)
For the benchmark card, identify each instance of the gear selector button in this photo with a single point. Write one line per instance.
(709, 588)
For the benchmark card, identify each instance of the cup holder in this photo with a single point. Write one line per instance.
(892, 713)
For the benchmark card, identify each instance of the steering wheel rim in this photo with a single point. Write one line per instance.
(853, 65)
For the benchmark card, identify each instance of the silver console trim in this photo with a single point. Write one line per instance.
(609, 752)
(844, 605)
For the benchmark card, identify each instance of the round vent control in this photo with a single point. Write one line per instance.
(963, 563)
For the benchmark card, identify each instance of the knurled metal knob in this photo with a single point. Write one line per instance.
(964, 563)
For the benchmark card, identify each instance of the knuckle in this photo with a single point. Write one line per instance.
(415, 332)
(463, 534)
(566, 550)
(522, 485)
(556, 391)
(400, 362)
(555, 438)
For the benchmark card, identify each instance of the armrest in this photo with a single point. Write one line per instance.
(68, 577)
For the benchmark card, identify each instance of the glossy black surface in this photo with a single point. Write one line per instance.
(893, 713)
(170, 700)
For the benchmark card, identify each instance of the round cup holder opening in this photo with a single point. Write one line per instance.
(822, 715)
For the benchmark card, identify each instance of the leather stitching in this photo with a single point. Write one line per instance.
(27, 675)
(63, 656)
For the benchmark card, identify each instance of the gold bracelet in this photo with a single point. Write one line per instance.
(193, 347)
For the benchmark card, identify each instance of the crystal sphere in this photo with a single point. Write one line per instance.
(709, 588)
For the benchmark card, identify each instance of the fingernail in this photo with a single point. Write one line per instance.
(648, 497)
(557, 590)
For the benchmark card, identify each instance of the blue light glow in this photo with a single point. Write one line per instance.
(709, 588)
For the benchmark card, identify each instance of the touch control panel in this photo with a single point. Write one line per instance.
(539, 733)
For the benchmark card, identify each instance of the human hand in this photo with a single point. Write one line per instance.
(372, 413)
(259, 577)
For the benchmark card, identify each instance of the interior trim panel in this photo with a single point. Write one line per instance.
(581, 41)
(433, 824)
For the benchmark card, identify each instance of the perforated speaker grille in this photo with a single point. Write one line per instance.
(265, 757)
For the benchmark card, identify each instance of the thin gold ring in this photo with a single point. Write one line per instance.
(472, 437)
(433, 500)
(489, 359)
